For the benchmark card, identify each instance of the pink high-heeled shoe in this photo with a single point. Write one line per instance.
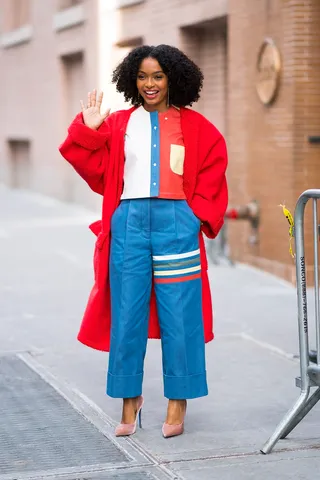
(174, 430)
(126, 429)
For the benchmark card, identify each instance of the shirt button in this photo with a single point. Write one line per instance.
(154, 183)
(154, 164)
(155, 145)
(155, 128)
(166, 118)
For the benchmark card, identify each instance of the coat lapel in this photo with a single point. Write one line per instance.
(190, 132)
(115, 170)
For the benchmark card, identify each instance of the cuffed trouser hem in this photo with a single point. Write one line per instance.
(124, 386)
(180, 388)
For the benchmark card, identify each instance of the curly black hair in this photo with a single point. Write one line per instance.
(185, 78)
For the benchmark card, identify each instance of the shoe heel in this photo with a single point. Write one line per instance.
(126, 429)
(140, 418)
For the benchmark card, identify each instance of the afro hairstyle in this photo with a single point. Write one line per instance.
(185, 78)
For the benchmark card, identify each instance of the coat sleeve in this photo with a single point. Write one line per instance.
(210, 199)
(87, 151)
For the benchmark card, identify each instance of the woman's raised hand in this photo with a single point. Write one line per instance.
(92, 116)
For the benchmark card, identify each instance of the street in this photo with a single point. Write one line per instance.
(67, 431)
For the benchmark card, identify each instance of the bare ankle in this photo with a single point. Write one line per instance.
(180, 403)
(129, 409)
(176, 411)
(130, 401)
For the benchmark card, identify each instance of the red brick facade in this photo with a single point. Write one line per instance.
(270, 156)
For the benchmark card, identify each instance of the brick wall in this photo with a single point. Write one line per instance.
(306, 74)
(213, 62)
(270, 158)
(207, 47)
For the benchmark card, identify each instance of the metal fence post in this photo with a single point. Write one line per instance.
(309, 374)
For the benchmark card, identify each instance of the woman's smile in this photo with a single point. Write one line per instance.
(152, 84)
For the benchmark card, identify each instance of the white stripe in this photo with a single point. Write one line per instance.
(158, 258)
(167, 273)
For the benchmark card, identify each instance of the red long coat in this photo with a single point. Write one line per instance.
(98, 156)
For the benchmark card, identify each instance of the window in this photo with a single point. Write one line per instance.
(20, 163)
(16, 14)
(73, 84)
(70, 13)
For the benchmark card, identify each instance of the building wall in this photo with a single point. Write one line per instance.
(306, 72)
(207, 46)
(45, 76)
(270, 157)
(200, 29)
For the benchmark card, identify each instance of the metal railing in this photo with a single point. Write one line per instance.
(309, 372)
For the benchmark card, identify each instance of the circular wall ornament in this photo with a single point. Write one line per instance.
(268, 71)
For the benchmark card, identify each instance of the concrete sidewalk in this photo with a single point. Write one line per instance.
(45, 276)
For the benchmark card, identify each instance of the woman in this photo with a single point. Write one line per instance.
(161, 170)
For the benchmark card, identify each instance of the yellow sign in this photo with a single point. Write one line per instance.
(268, 72)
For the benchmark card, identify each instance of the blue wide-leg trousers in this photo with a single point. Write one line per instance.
(156, 239)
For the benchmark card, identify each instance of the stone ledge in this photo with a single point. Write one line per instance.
(16, 37)
(127, 3)
(68, 18)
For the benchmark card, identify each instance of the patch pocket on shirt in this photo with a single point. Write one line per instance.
(177, 158)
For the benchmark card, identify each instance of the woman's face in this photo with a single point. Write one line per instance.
(152, 84)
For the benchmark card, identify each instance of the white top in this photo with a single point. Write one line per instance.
(137, 167)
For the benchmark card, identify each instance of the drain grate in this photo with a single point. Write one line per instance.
(39, 429)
